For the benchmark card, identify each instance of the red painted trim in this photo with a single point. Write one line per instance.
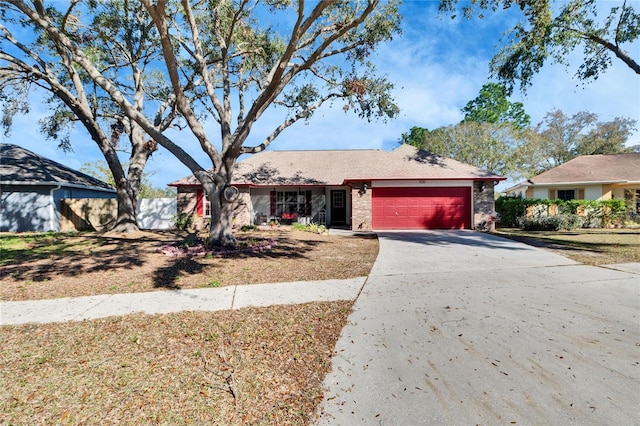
(200, 202)
(499, 178)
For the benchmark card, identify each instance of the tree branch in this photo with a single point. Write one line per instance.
(300, 115)
(158, 16)
(621, 54)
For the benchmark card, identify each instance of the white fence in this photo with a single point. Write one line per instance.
(157, 213)
(86, 214)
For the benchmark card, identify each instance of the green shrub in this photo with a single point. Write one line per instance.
(312, 227)
(510, 209)
(553, 223)
(615, 211)
(184, 221)
(593, 214)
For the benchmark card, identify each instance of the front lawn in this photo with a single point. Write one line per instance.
(46, 266)
(588, 246)
(251, 366)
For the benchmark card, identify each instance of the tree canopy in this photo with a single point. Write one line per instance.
(493, 106)
(503, 149)
(560, 138)
(496, 135)
(551, 30)
(225, 63)
(488, 137)
(489, 146)
(37, 49)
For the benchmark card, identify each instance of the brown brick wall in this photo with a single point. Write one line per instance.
(187, 200)
(360, 207)
(483, 204)
(241, 216)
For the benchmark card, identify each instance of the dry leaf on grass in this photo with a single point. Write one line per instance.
(250, 366)
(89, 264)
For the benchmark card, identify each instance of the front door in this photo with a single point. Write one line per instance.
(339, 207)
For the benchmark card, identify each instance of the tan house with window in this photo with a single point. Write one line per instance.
(367, 189)
(588, 177)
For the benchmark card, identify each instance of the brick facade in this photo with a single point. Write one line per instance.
(483, 205)
(361, 206)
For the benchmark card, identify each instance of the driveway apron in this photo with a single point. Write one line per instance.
(459, 327)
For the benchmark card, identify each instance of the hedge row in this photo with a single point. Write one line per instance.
(539, 213)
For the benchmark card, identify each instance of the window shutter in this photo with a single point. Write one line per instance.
(199, 202)
(580, 194)
(552, 194)
(307, 203)
(272, 197)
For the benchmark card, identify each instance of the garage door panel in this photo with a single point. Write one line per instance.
(421, 208)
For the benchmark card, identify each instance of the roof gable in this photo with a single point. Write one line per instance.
(335, 167)
(594, 169)
(21, 166)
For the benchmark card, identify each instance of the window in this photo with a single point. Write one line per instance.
(206, 204)
(566, 194)
(203, 205)
(338, 199)
(290, 203)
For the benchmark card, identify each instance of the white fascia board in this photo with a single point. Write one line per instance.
(603, 182)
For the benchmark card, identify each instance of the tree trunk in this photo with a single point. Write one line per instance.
(127, 209)
(221, 227)
(129, 187)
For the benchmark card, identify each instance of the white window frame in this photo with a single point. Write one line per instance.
(206, 205)
(338, 199)
(287, 200)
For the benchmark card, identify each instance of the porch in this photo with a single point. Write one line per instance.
(286, 205)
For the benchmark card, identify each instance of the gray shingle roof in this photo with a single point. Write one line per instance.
(19, 166)
(594, 168)
(334, 167)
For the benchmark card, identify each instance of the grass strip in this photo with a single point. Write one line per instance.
(250, 366)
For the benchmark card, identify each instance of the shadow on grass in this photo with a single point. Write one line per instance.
(43, 256)
(169, 276)
(556, 244)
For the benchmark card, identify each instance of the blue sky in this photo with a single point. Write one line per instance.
(437, 66)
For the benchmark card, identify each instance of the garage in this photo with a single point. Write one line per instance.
(421, 208)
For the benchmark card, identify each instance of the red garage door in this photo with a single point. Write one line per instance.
(421, 208)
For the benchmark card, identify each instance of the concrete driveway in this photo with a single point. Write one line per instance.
(459, 327)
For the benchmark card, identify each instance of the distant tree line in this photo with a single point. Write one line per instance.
(100, 170)
(496, 135)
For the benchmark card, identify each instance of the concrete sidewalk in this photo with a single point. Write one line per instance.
(210, 299)
(468, 328)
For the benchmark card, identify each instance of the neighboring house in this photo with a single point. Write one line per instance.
(32, 187)
(358, 189)
(588, 177)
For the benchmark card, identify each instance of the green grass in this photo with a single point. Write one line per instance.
(589, 246)
(17, 247)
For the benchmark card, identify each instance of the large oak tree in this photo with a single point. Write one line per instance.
(551, 30)
(37, 52)
(227, 63)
